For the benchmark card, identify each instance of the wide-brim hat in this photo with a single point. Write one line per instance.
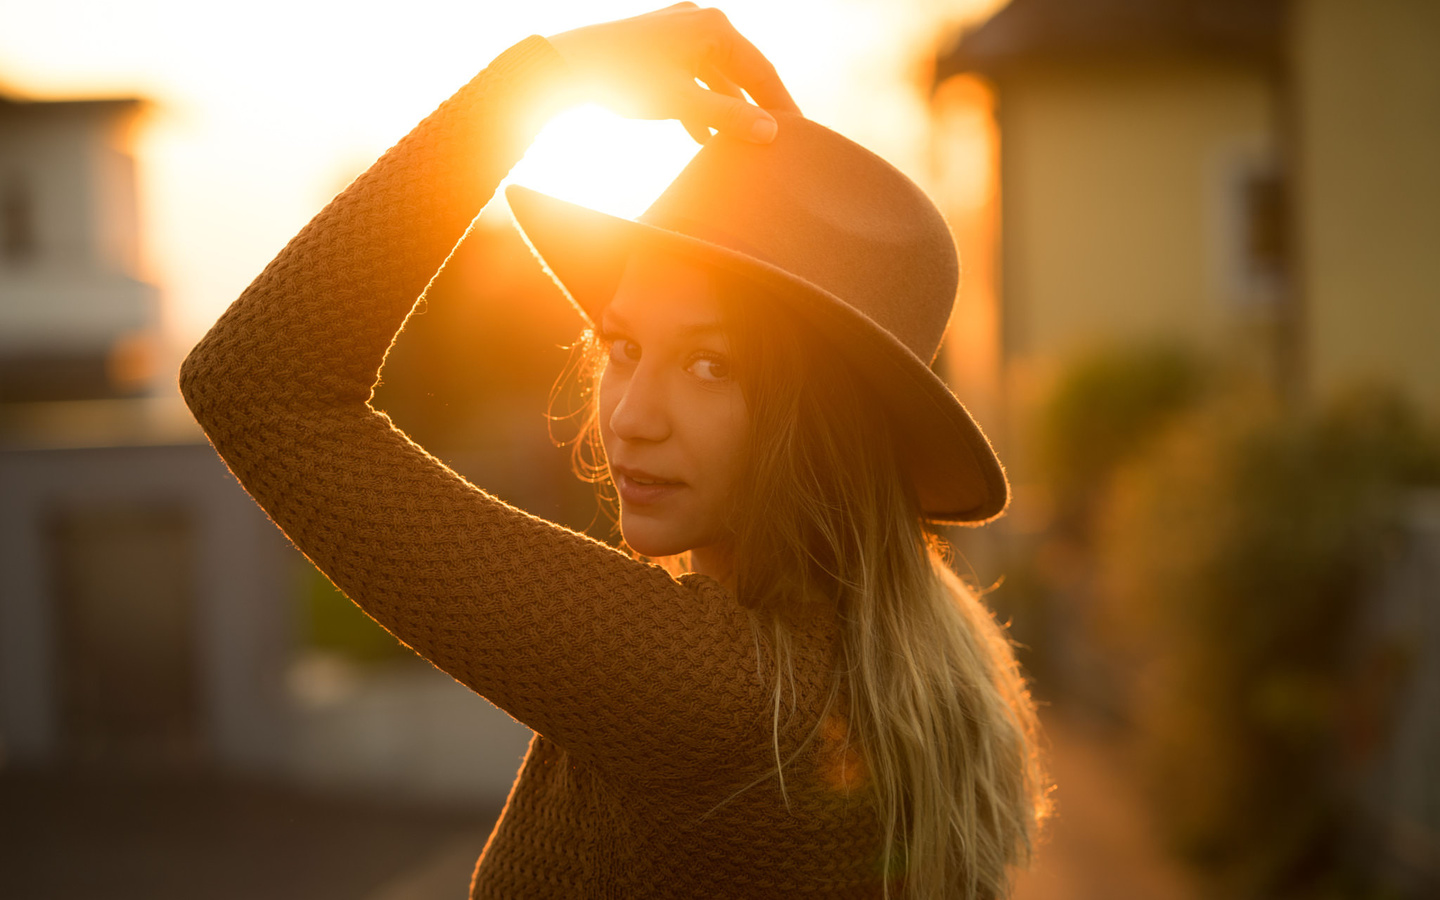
(846, 240)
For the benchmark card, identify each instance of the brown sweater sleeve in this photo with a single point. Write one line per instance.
(612, 659)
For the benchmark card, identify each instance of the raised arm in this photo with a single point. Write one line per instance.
(582, 643)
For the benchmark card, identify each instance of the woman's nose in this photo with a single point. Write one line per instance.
(642, 413)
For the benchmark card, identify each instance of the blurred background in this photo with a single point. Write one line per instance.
(1200, 319)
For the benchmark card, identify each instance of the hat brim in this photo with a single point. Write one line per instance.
(957, 476)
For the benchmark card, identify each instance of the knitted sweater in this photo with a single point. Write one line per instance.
(650, 772)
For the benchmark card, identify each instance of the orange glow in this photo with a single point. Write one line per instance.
(966, 153)
(257, 123)
(589, 155)
(842, 767)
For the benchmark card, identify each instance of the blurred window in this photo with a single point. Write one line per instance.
(17, 221)
(1264, 225)
(125, 588)
(1251, 248)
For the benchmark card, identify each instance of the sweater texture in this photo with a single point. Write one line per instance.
(650, 774)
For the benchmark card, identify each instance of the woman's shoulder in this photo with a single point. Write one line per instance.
(705, 585)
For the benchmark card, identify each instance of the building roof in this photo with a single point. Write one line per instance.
(14, 105)
(1033, 30)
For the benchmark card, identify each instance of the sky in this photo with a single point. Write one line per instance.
(261, 111)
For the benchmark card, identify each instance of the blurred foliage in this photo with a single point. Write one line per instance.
(1105, 411)
(1231, 564)
(329, 622)
(1213, 550)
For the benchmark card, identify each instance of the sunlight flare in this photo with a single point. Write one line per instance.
(591, 156)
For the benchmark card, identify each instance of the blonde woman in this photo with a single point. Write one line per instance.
(806, 702)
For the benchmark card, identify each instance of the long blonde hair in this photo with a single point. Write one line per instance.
(926, 683)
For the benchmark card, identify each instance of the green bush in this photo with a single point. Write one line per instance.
(1231, 560)
(329, 622)
(1106, 411)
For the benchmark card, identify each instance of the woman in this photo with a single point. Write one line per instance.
(818, 706)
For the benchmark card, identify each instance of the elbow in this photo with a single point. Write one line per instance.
(194, 380)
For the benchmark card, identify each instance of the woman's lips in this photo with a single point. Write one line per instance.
(633, 492)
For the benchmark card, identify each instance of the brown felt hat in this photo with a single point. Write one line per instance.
(854, 246)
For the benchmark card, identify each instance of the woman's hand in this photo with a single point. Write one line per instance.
(645, 67)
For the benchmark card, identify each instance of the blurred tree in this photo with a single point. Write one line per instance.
(1107, 409)
(332, 624)
(1232, 561)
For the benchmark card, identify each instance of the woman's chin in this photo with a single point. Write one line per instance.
(648, 542)
(655, 550)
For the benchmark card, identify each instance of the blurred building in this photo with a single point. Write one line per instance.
(1365, 107)
(1253, 179)
(77, 322)
(148, 609)
(141, 596)
(1250, 176)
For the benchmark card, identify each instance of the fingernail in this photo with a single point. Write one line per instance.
(763, 130)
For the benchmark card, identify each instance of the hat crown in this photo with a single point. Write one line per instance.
(821, 207)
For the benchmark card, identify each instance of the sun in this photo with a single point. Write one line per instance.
(593, 157)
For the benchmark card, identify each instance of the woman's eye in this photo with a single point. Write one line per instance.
(623, 350)
(711, 368)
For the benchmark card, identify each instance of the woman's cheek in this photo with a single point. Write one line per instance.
(605, 400)
(734, 430)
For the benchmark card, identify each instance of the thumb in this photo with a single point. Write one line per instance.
(729, 115)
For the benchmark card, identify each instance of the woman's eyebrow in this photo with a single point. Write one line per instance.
(619, 321)
(615, 319)
(702, 328)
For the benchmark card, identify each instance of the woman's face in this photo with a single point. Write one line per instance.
(671, 411)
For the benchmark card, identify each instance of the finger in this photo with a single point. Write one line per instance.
(741, 62)
(727, 115)
(699, 131)
(716, 81)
